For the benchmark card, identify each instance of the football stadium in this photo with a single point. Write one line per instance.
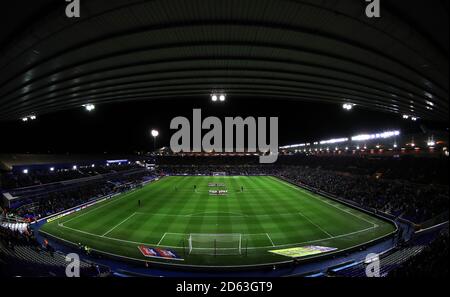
(223, 139)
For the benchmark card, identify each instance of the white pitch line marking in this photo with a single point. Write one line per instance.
(320, 228)
(109, 231)
(159, 242)
(270, 239)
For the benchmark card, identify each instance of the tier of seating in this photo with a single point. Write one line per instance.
(21, 255)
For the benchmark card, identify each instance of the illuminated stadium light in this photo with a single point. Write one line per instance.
(116, 161)
(89, 107)
(331, 141)
(383, 135)
(348, 106)
(293, 146)
(155, 133)
(218, 97)
(25, 171)
(30, 117)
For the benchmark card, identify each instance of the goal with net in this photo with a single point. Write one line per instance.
(215, 244)
(219, 173)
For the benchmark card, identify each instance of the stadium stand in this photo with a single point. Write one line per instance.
(45, 199)
(22, 255)
(386, 185)
(422, 256)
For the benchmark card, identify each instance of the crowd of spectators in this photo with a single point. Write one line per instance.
(424, 170)
(415, 202)
(22, 254)
(45, 200)
(35, 177)
(10, 238)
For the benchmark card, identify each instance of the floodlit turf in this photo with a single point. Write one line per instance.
(270, 214)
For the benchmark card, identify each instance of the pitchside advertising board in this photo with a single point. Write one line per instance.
(150, 252)
(76, 209)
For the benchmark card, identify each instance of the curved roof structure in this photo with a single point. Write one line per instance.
(326, 51)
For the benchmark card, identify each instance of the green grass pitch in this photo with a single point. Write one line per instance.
(269, 214)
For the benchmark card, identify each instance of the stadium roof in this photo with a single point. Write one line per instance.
(326, 51)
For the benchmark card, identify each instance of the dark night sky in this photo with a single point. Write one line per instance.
(124, 128)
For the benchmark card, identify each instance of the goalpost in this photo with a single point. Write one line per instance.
(221, 173)
(215, 244)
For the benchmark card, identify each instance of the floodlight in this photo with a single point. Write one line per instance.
(89, 107)
(347, 106)
(155, 133)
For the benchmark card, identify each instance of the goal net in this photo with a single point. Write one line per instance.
(215, 244)
(219, 173)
